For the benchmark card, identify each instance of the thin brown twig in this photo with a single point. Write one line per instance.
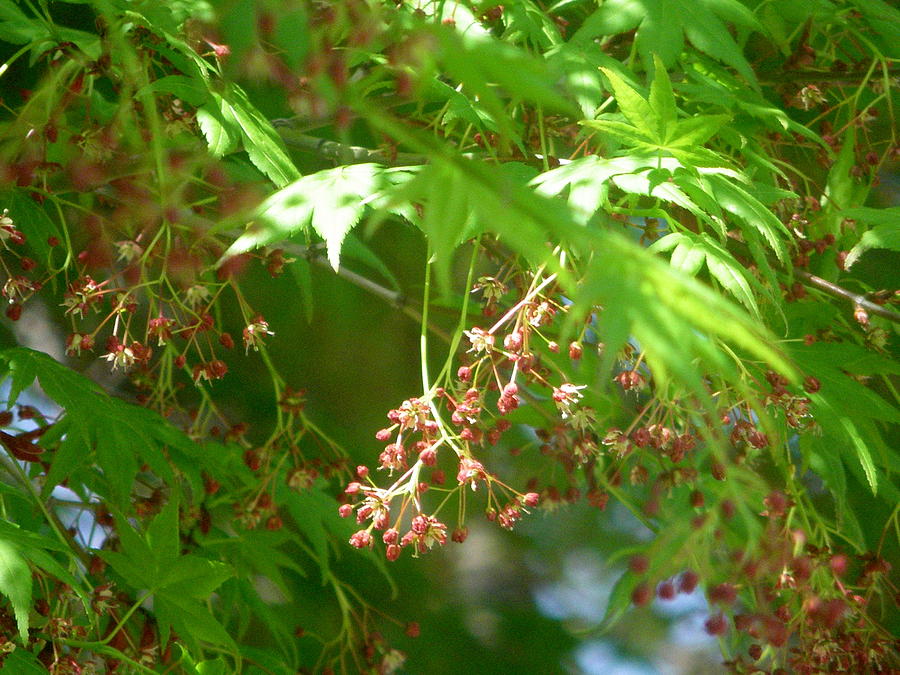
(857, 299)
(342, 153)
(813, 76)
(828, 287)
(394, 298)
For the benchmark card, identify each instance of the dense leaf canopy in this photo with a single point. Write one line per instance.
(621, 274)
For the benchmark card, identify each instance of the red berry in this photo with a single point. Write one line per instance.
(210, 486)
(724, 594)
(688, 582)
(777, 633)
(641, 595)
(575, 351)
(838, 564)
(251, 459)
(776, 504)
(531, 499)
(638, 564)
(362, 539)
(666, 590)
(718, 470)
(217, 368)
(716, 625)
(728, 509)
(840, 259)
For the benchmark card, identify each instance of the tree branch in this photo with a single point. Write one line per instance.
(17, 473)
(830, 76)
(842, 293)
(743, 253)
(395, 298)
(341, 153)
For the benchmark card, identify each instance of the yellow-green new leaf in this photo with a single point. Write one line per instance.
(15, 584)
(662, 99)
(635, 107)
(862, 451)
(695, 131)
(330, 201)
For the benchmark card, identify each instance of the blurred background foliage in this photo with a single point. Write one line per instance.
(529, 600)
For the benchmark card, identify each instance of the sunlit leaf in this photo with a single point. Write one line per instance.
(862, 451)
(220, 129)
(22, 662)
(885, 234)
(695, 131)
(634, 106)
(741, 203)
(15, 584)
(32, 220)
(662, 99)
(234, 114)
(185, 88)
(331, 202)
(191, 620)
(663, 24)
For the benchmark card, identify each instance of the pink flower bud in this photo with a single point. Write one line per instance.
(361, 539)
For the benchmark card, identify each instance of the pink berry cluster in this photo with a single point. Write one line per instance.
(788, 601)
(412, 450)
(451, 429)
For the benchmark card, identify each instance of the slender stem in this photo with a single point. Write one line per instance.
(545, 161)
(844, 294)
(119, 626)
(812, 76)
(832, 289)
(524, 301)
(395, 298)
(12, 467)
(423, 336)
(342, 153)
(12, 59)
(108, 651)
(463, 314)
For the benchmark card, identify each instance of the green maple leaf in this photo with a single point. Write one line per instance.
(663, 25)
(15, 584)
(652, 123)
(331, 202)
